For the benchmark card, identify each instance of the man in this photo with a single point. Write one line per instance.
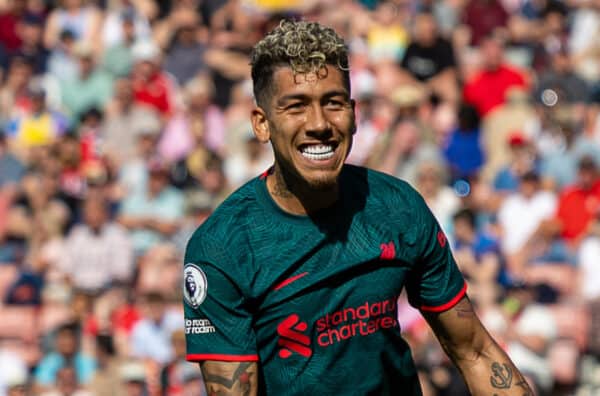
(487, 89)
(298, 272)
(98, 251)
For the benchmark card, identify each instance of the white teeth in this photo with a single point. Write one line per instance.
(318, 151)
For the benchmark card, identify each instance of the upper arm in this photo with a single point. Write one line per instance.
(230, 378)
(459, 331)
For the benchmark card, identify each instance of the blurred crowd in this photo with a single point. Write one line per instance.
(124, 123)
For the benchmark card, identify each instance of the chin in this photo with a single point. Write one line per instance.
(322, 182)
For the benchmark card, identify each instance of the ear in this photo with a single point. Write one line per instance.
(260, 125)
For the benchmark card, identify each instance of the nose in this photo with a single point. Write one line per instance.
(317, 122)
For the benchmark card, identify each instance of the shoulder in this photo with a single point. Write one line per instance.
(228, 226)
(385, 193)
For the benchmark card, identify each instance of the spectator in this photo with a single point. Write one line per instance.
(152, 215)
(151, 86)
(90, 88)
(30, 32)
(484, 17)
(10, 18)
(487, 89)
(185, 55)
(39, 126)
(521, 161)
(66, 352)
(66, 384)
(463, 150)
(429, 59)
(177, 373)
(118, 56)
(478, 256)
(123, 22)
(124, 122)
(82, 20)
(98, 251)
(522, 212)
(579, 204)
(151, 336)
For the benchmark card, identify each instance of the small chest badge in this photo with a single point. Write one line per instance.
(194, 285)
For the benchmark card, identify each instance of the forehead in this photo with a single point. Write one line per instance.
(286, 82)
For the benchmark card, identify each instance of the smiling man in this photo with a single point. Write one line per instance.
(296, 275)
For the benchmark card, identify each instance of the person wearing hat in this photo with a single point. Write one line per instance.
(579, 203)
(40, 126)
(91, 87)
(151, 85)
(152, 214)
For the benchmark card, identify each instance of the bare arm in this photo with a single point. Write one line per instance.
(487, 370)
(230, 378)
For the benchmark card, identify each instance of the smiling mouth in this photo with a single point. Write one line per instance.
(318, 152)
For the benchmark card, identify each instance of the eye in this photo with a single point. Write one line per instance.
(296, 106)
(334, 103)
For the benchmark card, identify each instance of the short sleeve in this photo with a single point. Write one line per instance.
(435, 283)
(218, 322)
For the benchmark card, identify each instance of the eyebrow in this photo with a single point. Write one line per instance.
(299, 96)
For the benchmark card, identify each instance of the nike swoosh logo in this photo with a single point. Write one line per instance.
(290, 280)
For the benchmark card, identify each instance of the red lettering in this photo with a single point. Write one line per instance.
(362, 312)
(322, 340)
(363, 328)
(351, 311)
(336, 318)
(375, 309)
(321, 325)
(354, 326)
(387, 323)
(372, 326)
(345, 332)
(384, 308)
(331, 333)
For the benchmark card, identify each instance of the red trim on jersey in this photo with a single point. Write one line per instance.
(449, 304)
(289, 280)
(264, 175)
(195, 357)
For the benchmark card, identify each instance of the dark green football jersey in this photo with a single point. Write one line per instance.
(313, 298)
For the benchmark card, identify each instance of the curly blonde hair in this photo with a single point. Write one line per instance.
(303, 46)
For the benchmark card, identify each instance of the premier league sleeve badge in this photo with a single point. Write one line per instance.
(194, 285)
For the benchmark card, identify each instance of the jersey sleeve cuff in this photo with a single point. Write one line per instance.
(451, 303)
(199, 357)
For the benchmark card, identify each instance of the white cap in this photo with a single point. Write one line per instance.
(145, 51)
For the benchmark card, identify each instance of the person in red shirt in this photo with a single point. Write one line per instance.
(151, 86)
(579, 204)
(9, 21)
(487, 89)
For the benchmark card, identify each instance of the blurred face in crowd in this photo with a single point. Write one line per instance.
(95, 213)
(145, 69)
(425, 29)
(428, 179)
(124, 91)
(134, 388)
(529, 185)
(463, 231)
(158, 181)
(492, 53)
(86, 65)
(31, 34)
(19, 73)
(587, 176)
(154, 309)
(66, 380)
(66, 343)
(310, 123)
(128, 30)
(71, 4)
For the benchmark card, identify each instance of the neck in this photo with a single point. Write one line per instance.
(295, 196)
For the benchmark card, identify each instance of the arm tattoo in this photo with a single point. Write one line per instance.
(237, 383)
(502, 377)
(464, 311)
